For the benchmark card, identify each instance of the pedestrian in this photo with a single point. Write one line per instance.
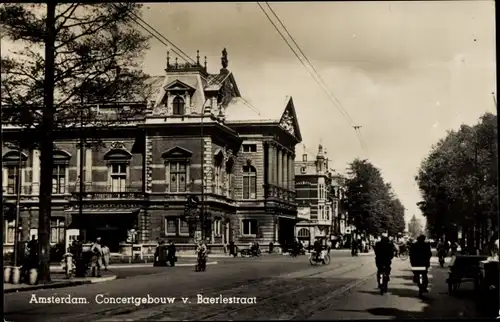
(33, 252)
(106, 256)
(96, 261)
(271, 246)
(171, 250)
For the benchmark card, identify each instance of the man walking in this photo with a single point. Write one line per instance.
(97, 255)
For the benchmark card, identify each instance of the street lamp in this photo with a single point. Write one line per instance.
(18, 201)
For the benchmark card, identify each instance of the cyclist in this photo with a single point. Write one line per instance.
(384, 253)
(442, 248)
(318, 248)
(420, 256)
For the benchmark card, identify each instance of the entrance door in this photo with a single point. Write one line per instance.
(111, 237)
(111, 228)
(286, 234)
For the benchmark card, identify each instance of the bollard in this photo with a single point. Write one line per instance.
(69, 264)
(7, 271)
(15, 275)
(33, 276)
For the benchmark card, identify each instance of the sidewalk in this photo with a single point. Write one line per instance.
(58, 268)
(402, 301)
(58, 281)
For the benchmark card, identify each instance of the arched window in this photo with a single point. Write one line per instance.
(303, 233)
(60, 172)
(177, 164)
(178, 106)
(118, 169)
(249, 182)
(11, 179)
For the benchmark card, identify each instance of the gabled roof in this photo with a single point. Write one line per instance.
(289, 117)
(239, 111)
(215, 82)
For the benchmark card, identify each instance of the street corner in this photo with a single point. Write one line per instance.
(94, 280)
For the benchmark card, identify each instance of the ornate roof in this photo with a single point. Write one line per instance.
(238, 111)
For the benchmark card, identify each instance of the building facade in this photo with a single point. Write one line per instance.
(338, 196)
(194, 138)
(314, 199)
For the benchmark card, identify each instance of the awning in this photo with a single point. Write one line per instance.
(287, 217)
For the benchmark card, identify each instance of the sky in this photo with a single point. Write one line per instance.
(406, 72)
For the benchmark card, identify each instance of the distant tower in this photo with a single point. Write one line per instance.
(320, 160)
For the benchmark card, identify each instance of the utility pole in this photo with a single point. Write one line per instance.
(46, 147)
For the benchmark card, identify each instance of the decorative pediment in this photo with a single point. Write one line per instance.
(117, 152)
(289, 121)
(61, 156)
(13, 156)
(176, 153)
(117, 145)
(178, 85)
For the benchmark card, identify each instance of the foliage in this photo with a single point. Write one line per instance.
(96, 53)
(97, 60)
(458, 180)
(372, 206)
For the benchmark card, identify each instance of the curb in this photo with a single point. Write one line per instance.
(60, 284)
(110, 267)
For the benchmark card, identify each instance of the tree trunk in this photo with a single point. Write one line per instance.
(46, 149)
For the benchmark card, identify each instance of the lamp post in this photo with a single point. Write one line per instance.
(82, 158)
(18, 206)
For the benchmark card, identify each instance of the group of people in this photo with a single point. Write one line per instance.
(165, 253)
(360, 245)
(420, 256)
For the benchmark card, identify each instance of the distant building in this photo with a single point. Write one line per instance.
(314, 202)
(136, 185)
(338, 195)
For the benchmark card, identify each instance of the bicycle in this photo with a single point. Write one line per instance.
(404, 255)
(419, 279)
(315, 259)
(383, 282)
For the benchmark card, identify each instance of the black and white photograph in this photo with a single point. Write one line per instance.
(242, 161)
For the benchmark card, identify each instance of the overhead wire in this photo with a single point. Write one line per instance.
(323, 83)
(318, 79)
(171, 45)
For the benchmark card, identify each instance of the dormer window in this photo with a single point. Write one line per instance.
(178, 106)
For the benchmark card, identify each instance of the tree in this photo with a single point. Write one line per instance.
(396, 213)
(91, 56)
(371, 203)
(458, 183)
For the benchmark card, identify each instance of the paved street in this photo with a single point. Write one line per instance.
(284, 288)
